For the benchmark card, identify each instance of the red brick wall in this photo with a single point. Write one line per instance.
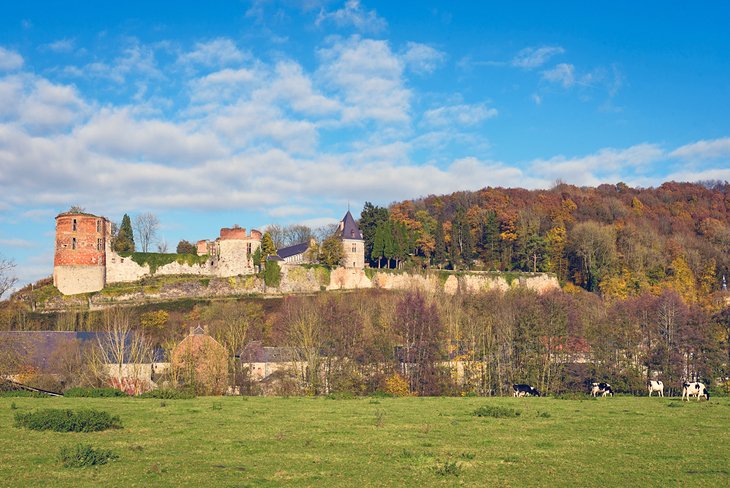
(87, 236)
(235, 233)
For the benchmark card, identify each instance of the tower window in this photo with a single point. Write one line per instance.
(73, 243)
(354, 248)
(98, 226)
(73, 224)
(99, 245)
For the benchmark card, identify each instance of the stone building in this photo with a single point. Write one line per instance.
(79, 263)
(202, 361)
(353, 243)
(84, 260)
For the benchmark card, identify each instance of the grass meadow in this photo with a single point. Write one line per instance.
(255, 441)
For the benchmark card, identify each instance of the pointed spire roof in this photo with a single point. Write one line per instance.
(348, 228)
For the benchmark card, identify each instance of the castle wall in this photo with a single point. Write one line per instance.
(71, 280)
(354, 253)
(121, 269)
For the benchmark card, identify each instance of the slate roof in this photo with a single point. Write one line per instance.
(38, 348)
(287, 252)
(255, 352)
(348, 228)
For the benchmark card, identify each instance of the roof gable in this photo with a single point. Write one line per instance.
(348, 228)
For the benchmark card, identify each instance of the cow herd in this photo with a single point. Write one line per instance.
(693, 389)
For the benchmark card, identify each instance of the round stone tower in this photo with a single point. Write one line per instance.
(79, 264)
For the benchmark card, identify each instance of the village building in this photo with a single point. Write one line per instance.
(202, 361)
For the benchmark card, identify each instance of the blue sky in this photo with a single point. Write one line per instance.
(220, 113)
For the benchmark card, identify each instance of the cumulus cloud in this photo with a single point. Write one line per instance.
(421, 58)
(704, 150)
(39, 104)
(354, 15)
(534, 57)
(10, 60)
(459, 114)
(60, 46)
(369, 78)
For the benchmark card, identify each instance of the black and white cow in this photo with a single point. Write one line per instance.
(657, 386)
(602, 388)
(694, 389)
(524, 390)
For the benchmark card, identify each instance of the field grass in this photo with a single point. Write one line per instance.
(241, 441)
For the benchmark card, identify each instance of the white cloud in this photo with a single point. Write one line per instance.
(353, 14)
(119, 134)
(459, 114)
(704, 150)
(38, 104)
(290, 84)
(10, 60)
(607, 164)
(534, 57)
(218, 53)
(563, 73)
(421, 58)
(61, 46)
(369, 77)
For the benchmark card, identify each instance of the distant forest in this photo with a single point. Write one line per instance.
(613, 239)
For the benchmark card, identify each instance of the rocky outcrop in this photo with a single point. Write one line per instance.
(304, 279)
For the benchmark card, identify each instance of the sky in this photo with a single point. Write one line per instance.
(210, 114)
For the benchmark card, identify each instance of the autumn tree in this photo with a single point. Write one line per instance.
(7, 278)
(331, 253)
(185, 247)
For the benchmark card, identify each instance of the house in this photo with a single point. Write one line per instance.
(296, 254)
(202, 361)
(263, 361)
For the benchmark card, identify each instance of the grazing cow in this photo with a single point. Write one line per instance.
(524, 390)
(694, 389)
(602, 388)
(657, 386)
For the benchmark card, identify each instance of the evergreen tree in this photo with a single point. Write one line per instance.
(331, 253)
(267, 246)
(488, 243)
(439, 252)
(378, 249)
(371, 218)
(124, 240)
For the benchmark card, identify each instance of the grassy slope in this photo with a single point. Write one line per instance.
(619, 441)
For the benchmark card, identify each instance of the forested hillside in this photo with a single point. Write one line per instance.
(613, 239)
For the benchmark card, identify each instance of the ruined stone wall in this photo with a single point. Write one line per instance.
(236, 256)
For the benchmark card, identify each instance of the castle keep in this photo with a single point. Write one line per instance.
(85, 262)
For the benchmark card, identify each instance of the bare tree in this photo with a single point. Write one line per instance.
(162, 246)
(122, 356)
(7, 279)
(146, 226)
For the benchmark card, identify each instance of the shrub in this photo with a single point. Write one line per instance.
(59, 420)
(170, 394)
(448, 468)
(396, 385)
(82, 455)
(496, 412)
(94, 392)
(272, 274)
(23, 394)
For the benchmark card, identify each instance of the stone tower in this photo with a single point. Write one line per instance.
(79, 264)
(353, 243)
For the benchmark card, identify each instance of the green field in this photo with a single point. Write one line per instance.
(254, 441)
